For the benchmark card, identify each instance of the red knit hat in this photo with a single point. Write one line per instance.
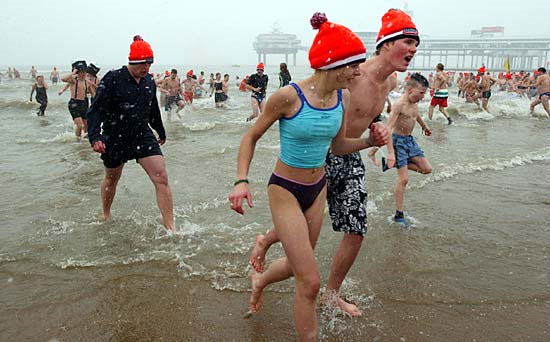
(260, 66)
(140, 51)
(334, 45)
(396, 24)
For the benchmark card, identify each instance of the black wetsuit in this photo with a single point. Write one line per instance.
(78, 108)
(42, 98)
(219, 96)
(121, 113)
(258, 81)
(284, 79)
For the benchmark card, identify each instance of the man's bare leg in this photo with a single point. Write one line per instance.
(79, 126)
(544, 102)
(430, 112)
(108, 189)
(255, 109)
(341, 263)
(156, 169)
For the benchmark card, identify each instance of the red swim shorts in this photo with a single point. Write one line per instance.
(188, 96)
(439, 101)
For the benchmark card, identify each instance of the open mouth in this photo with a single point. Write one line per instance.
(408, 59)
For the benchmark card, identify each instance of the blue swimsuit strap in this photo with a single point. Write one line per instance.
(298, 91)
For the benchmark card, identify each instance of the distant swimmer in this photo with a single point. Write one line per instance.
(284, 75)
(461, 82)
(471, 90)
(441, 94)
(408, 154)
(543, 85)
(54, 76)
(91, 75)
(486, 83)
(172, 85)
(121, 117)
(33, 73)
(219, 96)
(78, 104)
(242, 84)
(225, 87)
(190, 86)
(41, 94)
(257, 83)
(201, 78)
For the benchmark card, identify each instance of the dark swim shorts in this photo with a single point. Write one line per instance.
(405, 148)
(170, 100)
(346, 193)
(119, 152)
(78, 108)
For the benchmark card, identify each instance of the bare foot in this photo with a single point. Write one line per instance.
(106, 216)
(372, 156)
(256, 294)
(257, 257)
(331, 299)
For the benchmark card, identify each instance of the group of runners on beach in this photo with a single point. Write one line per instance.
(325, 120)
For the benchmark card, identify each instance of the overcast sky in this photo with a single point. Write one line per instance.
(183, 32)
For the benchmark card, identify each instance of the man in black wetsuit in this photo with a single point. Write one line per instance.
(122, 114)
(258, 84)
(41, 95)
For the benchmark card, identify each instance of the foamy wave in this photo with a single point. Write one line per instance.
(110, 261)
(488, 164)
(65, 137)
(200, 126)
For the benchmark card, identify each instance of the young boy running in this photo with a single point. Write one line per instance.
(404, 151)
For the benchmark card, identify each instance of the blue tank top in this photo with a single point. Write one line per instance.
(306, 136)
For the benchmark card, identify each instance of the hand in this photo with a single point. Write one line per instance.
(99, 146)
(236, 197)
(427, 131)
(378, 135)
(391, 160)
(161, 141)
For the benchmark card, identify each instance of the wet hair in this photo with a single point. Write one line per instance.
(418, 80)
(218, 74)
(542, 69)
(283, 67)
(39, 76)
(174, 71)
(440, 66)
(226, 75)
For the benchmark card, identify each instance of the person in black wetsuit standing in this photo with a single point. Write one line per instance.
(41, 96)
(123, 111)
(258, 84)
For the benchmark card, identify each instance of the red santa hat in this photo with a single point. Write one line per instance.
(260, 66)
(190, 73)
(140, 51)
(396, 24)
(334, 45)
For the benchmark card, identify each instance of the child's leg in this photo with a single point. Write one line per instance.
(420, 165)
(402, 179)
(372, 156)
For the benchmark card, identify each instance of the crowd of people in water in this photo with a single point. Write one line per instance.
(324, 121)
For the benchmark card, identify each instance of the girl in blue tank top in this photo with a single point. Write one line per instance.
(311, 116)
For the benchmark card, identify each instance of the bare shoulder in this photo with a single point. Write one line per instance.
(285, 101)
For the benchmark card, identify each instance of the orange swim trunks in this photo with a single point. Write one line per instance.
(188, 96)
